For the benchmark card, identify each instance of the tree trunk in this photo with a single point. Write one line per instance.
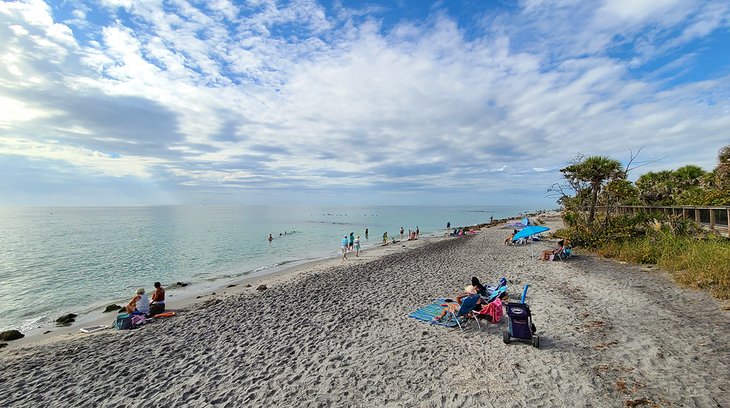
(594, 198)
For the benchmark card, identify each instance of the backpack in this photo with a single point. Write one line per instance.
(123, 322)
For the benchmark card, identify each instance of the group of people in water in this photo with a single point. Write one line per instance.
(140, 303)
(271, 236)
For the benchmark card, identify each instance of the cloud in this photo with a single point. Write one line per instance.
(228, 97)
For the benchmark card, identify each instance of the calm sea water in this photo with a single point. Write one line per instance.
(61, 260)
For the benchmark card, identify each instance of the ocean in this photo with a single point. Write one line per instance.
(58, 260)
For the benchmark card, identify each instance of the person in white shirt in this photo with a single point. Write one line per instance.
(139, 303)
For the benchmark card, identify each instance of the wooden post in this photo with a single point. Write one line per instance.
(684, 213)
(728, 222)
(697, 214)
(712, 219)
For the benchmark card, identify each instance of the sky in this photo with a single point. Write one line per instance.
(480, 102)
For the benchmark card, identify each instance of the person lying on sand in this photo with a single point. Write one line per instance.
(549, 254)
(139, 303)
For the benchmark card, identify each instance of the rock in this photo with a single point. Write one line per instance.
(47, 331)
(9, 335)
(261, 288)
(180, 284)
(112, 308)
(66, 320)
(3, 345)
(232, 286)
(248, 285)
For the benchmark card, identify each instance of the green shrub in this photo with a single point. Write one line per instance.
(694, 257)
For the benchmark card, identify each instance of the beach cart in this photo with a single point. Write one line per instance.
(520, 326)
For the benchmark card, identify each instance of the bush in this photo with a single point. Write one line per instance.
(693, 256)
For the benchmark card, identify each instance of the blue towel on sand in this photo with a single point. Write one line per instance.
(427, 314)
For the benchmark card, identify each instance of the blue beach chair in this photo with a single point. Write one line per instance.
(464, 313)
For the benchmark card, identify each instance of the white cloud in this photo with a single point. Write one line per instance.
(240, 94)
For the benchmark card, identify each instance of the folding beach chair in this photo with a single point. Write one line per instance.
(494, 292)
(465, 311)
(565, 254)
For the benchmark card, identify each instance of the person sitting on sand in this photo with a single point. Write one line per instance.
(158, 300)
(549, 254)
(158, 296)
(139, 303)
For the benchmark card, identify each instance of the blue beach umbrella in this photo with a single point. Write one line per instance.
(528, 231)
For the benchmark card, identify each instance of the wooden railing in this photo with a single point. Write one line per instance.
(712, 217)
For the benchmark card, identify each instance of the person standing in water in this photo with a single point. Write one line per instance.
(385, 238)
(352, 242)
(366, 233)
(448, 225)
(357, 246)
(270, 238)
(401, 232)
(418, 232)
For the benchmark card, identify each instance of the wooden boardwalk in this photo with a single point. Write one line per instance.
(711, 217)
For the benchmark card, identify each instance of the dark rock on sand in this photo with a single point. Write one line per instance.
(112, 308)
(248, 285)
(47, 331)
(8, 335)
(180, 284)
(232, 286)
(3, 345)
(66, 320)
(261, 288)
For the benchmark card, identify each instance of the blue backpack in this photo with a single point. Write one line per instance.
(123, 322)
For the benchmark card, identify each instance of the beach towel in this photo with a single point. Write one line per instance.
(493, 310)
(427, 313)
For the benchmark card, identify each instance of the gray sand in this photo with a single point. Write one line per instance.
(337, 335)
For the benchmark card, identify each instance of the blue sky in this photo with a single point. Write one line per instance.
(123, 102)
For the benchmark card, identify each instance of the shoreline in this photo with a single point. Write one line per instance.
(338, 334)
(187, 298)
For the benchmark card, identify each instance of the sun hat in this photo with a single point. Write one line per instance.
(140, 291)
(470, 290)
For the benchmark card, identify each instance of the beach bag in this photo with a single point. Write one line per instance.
(156, 308)
(123, 322)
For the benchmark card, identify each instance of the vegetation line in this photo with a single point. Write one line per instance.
(695, 257)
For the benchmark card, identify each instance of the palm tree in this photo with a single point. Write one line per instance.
(594, 171)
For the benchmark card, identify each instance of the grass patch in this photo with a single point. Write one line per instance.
(702, 263)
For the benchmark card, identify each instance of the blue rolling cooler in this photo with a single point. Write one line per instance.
(521, 327)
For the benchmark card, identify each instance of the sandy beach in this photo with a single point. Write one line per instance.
(336, 333)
